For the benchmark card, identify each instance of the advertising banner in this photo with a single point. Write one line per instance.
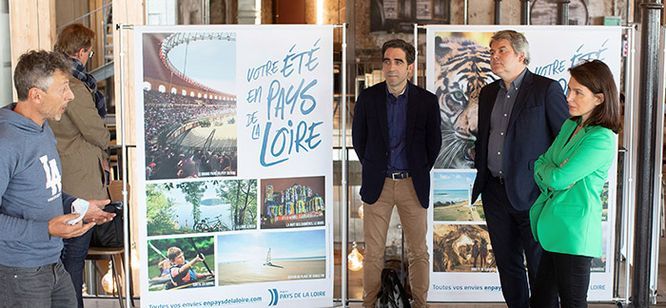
(234, 132)
(457, 67)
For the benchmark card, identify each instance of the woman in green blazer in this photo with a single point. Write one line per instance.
(566, 218)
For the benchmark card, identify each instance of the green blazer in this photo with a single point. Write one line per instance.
(566, 218)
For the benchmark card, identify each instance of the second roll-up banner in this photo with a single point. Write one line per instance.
(457, 67)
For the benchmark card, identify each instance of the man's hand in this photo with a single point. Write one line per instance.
(58, 226)
(95, 213)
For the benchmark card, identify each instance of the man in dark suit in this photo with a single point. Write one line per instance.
(396, 135)
(519, 117)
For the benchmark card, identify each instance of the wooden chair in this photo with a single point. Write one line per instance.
(115, 255)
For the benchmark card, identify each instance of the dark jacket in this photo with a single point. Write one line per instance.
(370, 139)
(536, 118)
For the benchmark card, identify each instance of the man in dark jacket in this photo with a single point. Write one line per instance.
(519, 116)
(396, 135)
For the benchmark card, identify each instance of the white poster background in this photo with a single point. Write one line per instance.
(302, 148)
(553, 49)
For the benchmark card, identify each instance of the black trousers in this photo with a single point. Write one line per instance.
(510, 237)
(564, 276)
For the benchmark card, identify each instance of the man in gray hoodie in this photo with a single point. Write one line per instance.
(32, 204)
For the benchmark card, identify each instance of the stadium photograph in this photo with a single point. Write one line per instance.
(189, 105)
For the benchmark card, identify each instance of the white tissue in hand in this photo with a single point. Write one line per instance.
(79, 206)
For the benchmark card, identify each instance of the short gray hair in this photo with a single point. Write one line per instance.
(518, 42)
(35, 70)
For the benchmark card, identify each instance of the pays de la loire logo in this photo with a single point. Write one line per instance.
(274, 297)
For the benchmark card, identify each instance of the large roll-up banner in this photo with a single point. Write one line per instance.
(458, 66)
(234, 132)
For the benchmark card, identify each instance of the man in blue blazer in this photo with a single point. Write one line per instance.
(519, 117)
(396, 135)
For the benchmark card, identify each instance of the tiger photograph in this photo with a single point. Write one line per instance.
(462, 68)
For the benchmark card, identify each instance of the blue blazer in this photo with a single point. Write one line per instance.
(536, 118)
(371, 142)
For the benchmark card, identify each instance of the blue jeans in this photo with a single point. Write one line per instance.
(73, 257)
(43, 286)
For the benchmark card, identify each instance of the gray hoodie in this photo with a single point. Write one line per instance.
(31, 191)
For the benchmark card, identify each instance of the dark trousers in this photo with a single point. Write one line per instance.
(46, 286)
(510, 237)
(73, 257)
(563, 275)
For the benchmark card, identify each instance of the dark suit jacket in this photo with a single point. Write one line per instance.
(536, 118)
(370, 139)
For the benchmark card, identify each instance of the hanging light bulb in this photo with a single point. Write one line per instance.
(355, 259)
(360, 211)
(107, 281)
